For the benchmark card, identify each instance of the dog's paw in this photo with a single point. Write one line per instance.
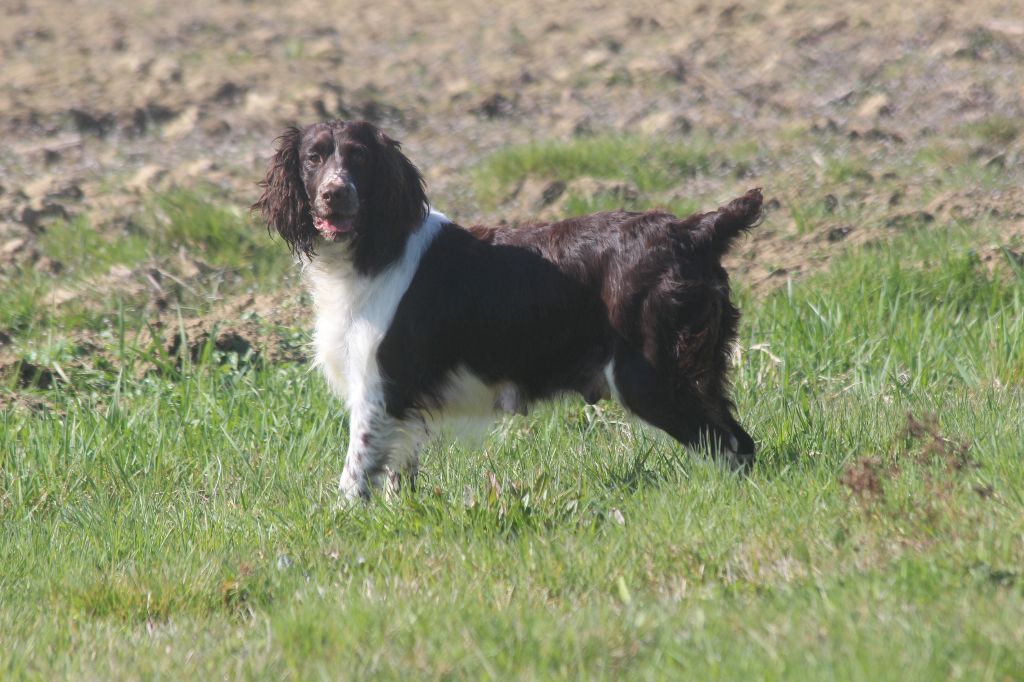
(352, 491)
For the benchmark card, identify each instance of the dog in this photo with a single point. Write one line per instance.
(419, 320)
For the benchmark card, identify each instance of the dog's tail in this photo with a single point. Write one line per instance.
(714, 232)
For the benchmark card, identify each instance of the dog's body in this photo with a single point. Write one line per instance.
(419, 320)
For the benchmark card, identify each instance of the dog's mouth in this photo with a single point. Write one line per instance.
(335, 225)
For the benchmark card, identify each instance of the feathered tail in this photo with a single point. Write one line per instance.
(715, 231)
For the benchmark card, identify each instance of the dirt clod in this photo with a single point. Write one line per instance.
(863, 479)
(910, 220)
(27, 374)
(497, 105)
(934, 447)
(838, 234)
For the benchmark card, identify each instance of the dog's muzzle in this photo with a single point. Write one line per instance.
(336, 206)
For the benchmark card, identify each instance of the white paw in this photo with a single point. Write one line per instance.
(350, 489)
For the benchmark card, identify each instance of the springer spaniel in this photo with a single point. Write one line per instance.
(419, 319)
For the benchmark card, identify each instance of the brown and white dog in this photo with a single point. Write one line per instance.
(419, 320)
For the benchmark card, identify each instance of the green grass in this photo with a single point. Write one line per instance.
(999, 131)
(185, 523)
(224, 236)
(650, 168)
(82, 250)
(651, 164)
(232, 251)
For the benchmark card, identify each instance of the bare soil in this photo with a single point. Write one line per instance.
(103, 103)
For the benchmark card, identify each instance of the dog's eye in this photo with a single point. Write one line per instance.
(314, 159)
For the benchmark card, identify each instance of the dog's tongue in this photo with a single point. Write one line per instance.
(331, 229)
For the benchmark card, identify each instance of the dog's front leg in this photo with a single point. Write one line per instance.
(372, 436)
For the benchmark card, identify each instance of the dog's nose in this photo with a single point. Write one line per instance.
(338, 194)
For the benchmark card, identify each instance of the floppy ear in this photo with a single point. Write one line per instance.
(395, 204)
(283, 203)
(406, 203)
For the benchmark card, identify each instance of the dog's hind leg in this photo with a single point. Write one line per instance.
(403, 467)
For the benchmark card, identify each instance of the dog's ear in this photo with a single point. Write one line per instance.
(406, 203)
(284, 204)
(396, 203)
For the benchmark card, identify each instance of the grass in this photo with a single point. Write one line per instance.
(185, 523)
(230, 250)
(999, 131)
(650, 164)
(648, 168)
(224, 236)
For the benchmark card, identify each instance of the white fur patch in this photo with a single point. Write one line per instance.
(353, 312)
(469, 407)
(609, 376)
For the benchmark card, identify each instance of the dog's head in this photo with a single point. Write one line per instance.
(343, 181)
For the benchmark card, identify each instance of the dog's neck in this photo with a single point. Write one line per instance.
(332, 268)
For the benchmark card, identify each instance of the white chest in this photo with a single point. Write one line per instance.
(354, 312)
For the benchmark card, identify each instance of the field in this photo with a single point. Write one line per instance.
(168, 463)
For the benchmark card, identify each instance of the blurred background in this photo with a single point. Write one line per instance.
(134, 136)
